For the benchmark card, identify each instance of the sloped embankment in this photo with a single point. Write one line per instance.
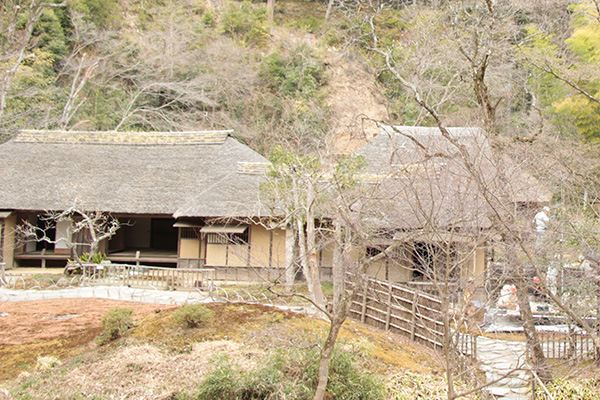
(161, 359)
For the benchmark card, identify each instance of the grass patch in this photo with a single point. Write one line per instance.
(292, 374)
(511, 336)
(19, 358)
(567, 389)
(193, 315)
(115, 323)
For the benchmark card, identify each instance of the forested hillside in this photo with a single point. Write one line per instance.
(515, 67)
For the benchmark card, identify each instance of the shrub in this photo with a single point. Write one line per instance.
(115, 323)
(209, 19)
(223, 382)
(192, 315)
(297, 75)
(563, 389)
(289, 375)
(246, 23)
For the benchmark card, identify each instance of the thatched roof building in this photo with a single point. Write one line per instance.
(424, 182)
(186, 174)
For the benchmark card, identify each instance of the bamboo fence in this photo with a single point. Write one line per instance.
(409, 312)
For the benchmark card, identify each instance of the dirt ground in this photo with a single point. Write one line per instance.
(59, 327)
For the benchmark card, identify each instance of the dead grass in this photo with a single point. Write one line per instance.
(31, 329)
(513, 337)
(160, 358)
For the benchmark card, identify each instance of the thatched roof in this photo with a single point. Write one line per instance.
(196, 174)
(423, 181)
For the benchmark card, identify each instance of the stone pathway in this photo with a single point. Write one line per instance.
(498, 358)
(151, 296)
(108, 292)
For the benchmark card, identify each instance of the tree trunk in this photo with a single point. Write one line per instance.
(304, 258)
(311, 246)
(326, 354)
(338, 266)
(270, 9)
(328, 12)
(538, 359)
(449, 352)
(290, 273)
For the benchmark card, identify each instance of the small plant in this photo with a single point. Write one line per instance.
(289, 375)
(192, 315)
(209, 19)
(74, 267)
(46, 363)
(95, 258)
(115, 323)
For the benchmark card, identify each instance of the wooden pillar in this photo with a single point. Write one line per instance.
(8, 242)
(1, 240)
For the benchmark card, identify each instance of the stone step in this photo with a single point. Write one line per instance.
(499, 360)
(516, 397)
(522, 391)
(499, 391)
(509, 393)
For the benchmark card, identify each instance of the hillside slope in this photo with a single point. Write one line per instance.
(160, 358)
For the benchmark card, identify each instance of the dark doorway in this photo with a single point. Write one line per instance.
(50, 231)
(164, 235)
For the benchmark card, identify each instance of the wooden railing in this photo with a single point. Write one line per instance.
(155, 277)
(452, 289)
(567, 345)
(409, 312)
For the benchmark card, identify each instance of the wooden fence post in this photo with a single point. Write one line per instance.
(363, 312)
(388, 317)
(413, 317)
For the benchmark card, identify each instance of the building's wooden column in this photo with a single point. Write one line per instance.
(8, 241)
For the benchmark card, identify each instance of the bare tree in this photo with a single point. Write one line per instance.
(86, 230)
(293, 190)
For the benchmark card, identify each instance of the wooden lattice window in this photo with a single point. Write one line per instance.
(227, 238)
(190, 233)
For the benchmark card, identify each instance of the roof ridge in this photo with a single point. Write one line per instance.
(433, 130)
(123, 138)
(253, 167)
